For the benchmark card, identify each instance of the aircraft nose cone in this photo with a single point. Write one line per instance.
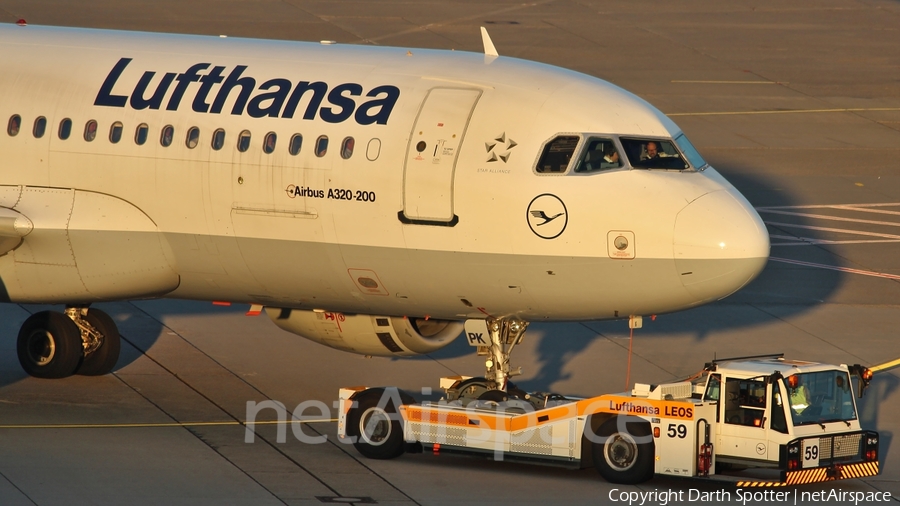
(720, 244)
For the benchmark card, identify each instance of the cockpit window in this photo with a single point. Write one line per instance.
(557, 154)
(653, 154)
(690, 152)
(600, 154)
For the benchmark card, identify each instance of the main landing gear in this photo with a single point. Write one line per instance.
(57, 345)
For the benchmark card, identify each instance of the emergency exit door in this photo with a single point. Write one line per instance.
(431, 156)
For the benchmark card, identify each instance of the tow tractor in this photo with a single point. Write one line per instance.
(784, 422)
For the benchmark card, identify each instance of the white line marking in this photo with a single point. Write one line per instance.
(862, 210)
(834, 218)
(815, 242)
(793, 111)
(836, 268)
(838, 230)
(825, 206)
(726, 82)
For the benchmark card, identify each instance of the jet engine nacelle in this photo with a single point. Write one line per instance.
(383, 336)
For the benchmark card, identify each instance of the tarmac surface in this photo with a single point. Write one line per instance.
(798, 104)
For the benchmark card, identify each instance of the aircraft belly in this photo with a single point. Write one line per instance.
(316, 275)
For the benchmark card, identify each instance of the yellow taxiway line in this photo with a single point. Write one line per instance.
(885, 366)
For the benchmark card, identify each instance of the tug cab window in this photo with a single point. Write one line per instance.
(40, 126)
(65, 129)
(599, 154)
(653, 154)
(557, 154)
(745, 402)
(713, 390)
(779, 421)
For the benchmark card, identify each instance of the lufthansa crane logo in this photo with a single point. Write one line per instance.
(547, 216)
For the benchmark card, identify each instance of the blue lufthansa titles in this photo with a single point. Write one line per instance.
(274, 98)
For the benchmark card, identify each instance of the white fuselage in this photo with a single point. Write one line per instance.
(391, 229)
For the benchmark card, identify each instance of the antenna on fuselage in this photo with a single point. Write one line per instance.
(489, 49)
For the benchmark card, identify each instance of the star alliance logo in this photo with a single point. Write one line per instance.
(499, 147)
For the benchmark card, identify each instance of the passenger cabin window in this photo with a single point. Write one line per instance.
(243, 143)
(600, 154)
(218, 139)
(115, 132)
(653, 154)
(65, 129)
(166, 136)
(373, 150)
(321, 145)
(296, 143)
(347, 148)
(141, 133)
(15, 122)
(193, 138)
(40, 127)
(745, 402)
(269, 143)
(90, 130)
(557, 154)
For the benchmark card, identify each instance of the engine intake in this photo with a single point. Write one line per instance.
(383, 336)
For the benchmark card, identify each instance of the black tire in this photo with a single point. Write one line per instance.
(103, 359)
(375, 426)
(49, 345)
(472, 388)
(498, 396)
(624, 456)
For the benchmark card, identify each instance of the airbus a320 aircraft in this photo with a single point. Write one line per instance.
(370, 198)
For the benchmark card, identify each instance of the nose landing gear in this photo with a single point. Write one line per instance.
(505, 334)
(57, 345)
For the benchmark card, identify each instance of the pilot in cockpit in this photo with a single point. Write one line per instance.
(651, 151)
(610, 158)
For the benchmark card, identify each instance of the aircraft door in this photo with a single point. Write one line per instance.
(432, 153)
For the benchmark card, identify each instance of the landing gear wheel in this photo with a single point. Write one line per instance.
(49, 345)
(496, 396)
(378, 431)
(624, 452)
(104, 358)
(471, 389)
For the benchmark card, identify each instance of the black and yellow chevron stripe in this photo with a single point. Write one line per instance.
(816, 475)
